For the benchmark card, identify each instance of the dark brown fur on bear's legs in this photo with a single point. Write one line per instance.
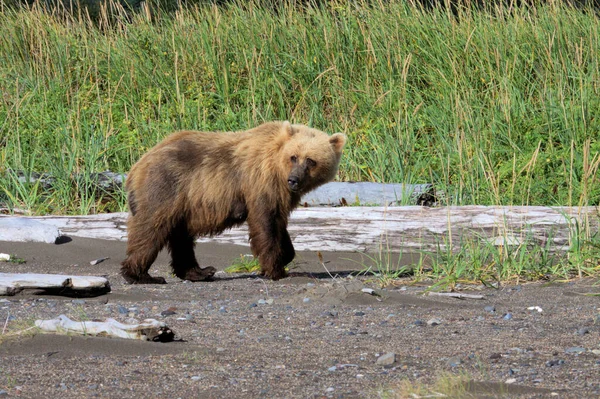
(183, 261)
(143, 246)
(270, 242)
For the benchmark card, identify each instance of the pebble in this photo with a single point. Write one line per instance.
(219, 350)
(418, 323)
(78, 301)
(3, 392)
(253, 305)
(332, 368)
(167, 312)
(596, 351)
(454, 361)
(434, 322)
(122, 309)
(555, 362)
(330, 389)
(262, 302)
(583, 331)
(490, 308)
(222, 309)
(306, 300)
(387, 359)
(575, 349)
(510, 381)
(196, 378)
(507, 316)
(359, 313)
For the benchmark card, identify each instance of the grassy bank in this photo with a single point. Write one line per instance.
(492, 109)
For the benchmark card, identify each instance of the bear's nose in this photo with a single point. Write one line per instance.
(293, 183)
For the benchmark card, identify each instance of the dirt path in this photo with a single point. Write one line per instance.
(308, 336)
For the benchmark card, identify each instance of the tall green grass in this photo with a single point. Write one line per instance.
(492, 107)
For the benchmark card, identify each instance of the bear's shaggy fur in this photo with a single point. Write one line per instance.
(199, 184)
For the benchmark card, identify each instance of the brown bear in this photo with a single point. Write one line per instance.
(201, 183)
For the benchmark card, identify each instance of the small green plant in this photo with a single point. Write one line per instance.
(244, 264)
(16, 260)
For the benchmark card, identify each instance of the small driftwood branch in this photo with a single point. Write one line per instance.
(13, 283)
(457, 295)
(148, 330)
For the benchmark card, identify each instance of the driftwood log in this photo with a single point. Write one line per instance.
(13, 283)
(148, 330)
(394, 229)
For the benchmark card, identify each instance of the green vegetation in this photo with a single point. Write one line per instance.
(492, 107)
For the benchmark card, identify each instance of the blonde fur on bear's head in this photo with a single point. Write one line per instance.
(314, 150)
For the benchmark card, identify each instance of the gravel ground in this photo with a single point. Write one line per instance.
(307, 336)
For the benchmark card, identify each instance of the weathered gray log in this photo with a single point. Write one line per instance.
(371, 194)
(394, 229)
(13, 283)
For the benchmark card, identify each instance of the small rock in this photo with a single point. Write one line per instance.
(196, 378)
(262, 302)
(555, 362)
(359, 313)
(122, 309)
(306, 300)
(222, 309)
(575, 349)
(596, 351)
(269, 301)
(490, 308)
(387, 359)
(510, 381)
(537, 308)
(310, 284)
(583, 331)
(332, 368)
(419, 323)
(330, 389)
(434, 322)
(219, 350)
(495, 356)
(3, 392)
(167, 312)
(454, 361)
(78, 302)
(507, 316)
(253, 305)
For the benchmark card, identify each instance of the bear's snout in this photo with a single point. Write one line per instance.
(293, 183)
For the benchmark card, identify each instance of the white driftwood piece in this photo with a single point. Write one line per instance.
(12, 283)
(144, 331)
(23, 229)
(375, 229)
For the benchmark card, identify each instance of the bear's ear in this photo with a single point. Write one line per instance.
(337, 140)
(286, 127)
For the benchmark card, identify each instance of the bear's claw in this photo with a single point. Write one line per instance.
(199, 274)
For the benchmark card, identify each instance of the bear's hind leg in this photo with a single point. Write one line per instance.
(183, 261)
(141, 253)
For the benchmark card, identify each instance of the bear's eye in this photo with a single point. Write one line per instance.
(294, 159)
(310, 163)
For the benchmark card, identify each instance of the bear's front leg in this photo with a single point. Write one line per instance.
(270, 242)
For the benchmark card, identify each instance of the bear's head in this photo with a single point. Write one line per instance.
(312, 157)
